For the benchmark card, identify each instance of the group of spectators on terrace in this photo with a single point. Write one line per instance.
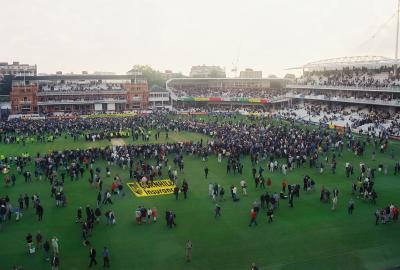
(221, 92)
(372, 120)
(359, 77)
(86, 98)
(85, 86)
(272, 94)
(336, 95)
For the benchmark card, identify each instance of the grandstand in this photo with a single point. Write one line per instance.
(366, 89)
(360, 92)
(78, 94)
(369, 81)
(224, 92)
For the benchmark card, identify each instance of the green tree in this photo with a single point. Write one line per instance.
(153, 77)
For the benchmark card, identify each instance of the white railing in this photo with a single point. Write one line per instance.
(394, 89)
(80, 102)
(171, 91)
(395, 103)
(69, 93)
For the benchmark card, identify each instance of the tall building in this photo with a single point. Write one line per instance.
(17, 69)
(248, 73)
(137, 94)
(23, 97)
(207, 72)
(78, 93)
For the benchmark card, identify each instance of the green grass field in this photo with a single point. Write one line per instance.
(308, 236)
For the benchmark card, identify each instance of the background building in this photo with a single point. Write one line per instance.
(207, 72)
(103, 73)
(78, 94)
(23, 97)
(17, 69)
(135, 72)
(169, 74)
(159, 98)
(137, 92)
(248, 73)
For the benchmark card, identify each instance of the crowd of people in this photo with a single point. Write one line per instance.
(282, 147)
(222, 92)
(365, 121)
(84, 86)
(361, 77)
(367, 97)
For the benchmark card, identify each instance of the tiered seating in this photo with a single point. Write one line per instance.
(382, 77)
(226, 93)
(357, 119)
(90, 86)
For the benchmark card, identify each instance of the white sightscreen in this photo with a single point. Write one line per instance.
(110, 106)
(98, 107)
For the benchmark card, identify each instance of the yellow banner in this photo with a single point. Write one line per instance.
(201, 99)
(158, 187)
(254, 100)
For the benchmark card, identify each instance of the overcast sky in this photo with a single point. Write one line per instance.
(267, 35)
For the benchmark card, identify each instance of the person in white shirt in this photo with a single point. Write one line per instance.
(243, 184)
(54, 244)
(234, 192)
(210, 189)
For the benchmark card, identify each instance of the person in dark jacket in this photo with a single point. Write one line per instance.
(39, 212)
(92, 255)
(46, 247)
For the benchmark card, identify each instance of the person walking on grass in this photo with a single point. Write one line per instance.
(284, 185)
(291, 199)
(262, 183)
(270, 214)
(189, 247)
(350, 208)
(55, 262)
(79, 215)
(176, 193)
(377, 216)
(253, 218)
(39, 239)
(46, 248)
(92, 256)
(39, 212)
(254, 267)
(54, 244)
(217, 211)
(243, 185)
(334, 203)
(98, 199)
(106, 257)
(206, 172)
(29, 242)
(26, 201)
(185, 188)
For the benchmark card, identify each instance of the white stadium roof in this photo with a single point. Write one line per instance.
(352, 61)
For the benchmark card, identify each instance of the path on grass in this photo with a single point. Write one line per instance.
(117, 142)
